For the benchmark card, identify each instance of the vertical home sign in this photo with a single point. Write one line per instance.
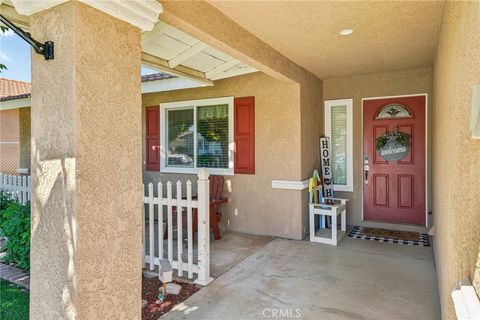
(326, 167)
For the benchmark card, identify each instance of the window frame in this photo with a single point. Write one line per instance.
(329, 104)
(194, 104)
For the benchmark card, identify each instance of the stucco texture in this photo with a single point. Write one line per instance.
(25, 137)
(416, 81)
(86, 167)
(253, 206)
(9, 141)
(456, 157)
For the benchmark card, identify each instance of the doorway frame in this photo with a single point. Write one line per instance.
(427, 164)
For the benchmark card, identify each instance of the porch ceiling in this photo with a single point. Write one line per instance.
(181, 49)
(170, 50)
(387, 35)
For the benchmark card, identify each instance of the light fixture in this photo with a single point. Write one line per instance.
(45, 49)
(346, 32)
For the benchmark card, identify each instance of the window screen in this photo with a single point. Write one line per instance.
(180, 138)
(212, 136)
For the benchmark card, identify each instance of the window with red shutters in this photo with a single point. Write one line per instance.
(244, 135)
(152, 139)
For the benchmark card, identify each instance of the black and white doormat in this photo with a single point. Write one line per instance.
(423, 238)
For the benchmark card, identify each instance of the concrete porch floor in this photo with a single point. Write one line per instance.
(224, 253)
(359, 279)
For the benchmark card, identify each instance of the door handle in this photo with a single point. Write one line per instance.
(366, 168)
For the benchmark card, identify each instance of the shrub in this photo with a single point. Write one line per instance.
(15, 226)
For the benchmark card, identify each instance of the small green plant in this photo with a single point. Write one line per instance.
(399, 137)
(3, 29)
(15, 226)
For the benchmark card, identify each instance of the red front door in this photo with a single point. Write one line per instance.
(394, 191)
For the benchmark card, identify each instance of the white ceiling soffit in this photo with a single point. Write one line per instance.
(140, 13)
(179, 48)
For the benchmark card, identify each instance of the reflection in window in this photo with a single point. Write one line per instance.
(212, 136)
(339, 144)
(180, 138)
(393, 111)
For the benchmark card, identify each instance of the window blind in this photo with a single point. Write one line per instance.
(212, 136)
(339, 144)
(180, 152)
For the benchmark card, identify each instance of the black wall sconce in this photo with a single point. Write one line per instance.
(45, 49)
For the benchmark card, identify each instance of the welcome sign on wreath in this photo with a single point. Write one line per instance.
(393, 146)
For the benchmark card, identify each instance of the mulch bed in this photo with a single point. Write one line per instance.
(154, 308)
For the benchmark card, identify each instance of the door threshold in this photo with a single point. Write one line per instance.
(394, 226)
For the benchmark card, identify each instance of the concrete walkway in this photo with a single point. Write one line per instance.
(15, 275)
(301, 280)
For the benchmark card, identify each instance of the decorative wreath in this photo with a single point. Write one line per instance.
(400, 138)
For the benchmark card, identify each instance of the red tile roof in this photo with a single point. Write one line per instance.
(13, 89)
(157, 76)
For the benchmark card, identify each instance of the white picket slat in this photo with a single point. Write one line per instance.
(182, 205)
(160, 222)
(17, 187)
(144, 252)
(169, 221)
(179, 228)
(189, 230)
(151, 225)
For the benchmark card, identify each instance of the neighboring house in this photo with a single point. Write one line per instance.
(249, 97)
(14, 126)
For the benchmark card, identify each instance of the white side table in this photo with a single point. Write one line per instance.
(328, 236)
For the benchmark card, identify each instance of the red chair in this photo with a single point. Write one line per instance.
(216, 198)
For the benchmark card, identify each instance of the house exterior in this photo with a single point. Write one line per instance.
(261, 128)
(14, 125)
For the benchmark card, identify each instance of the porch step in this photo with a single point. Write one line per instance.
(15, 275)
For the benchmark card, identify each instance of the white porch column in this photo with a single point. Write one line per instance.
(86, 167)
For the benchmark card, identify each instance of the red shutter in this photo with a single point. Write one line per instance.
(244, 135)
(152, 118)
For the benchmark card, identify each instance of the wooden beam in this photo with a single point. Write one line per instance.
(181, 71)
(233, 73)
(185, 55)
(219, 69)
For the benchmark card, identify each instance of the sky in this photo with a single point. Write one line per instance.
(15, 53)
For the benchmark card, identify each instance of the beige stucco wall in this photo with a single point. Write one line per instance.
(86, 167)
(376, 85)
(456, 157)
(9, 141)
(25, 136)
(255, 207)
(9, 126)
(312, 127)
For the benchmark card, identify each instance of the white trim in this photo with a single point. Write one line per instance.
(289, 184)
(233, 73)
(328, 132)
(193, 104)
(426, 145)
(466, 301)
(187, 54)
(140, 13)
(14, 104)
(171, 84)
(221, 68)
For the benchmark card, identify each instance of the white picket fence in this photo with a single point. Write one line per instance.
(184, 206)
(18, 187)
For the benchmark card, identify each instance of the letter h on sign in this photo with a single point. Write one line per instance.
(326, 168)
